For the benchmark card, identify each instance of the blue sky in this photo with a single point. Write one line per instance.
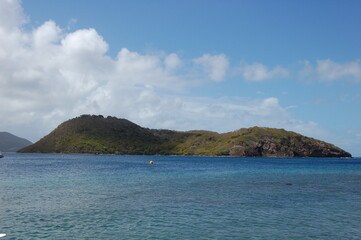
(214, 65)
(276, 32)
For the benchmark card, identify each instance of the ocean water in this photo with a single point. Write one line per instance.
(44, 196)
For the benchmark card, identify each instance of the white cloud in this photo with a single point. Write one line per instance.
(11, 15)
(259, 72)
(48, 76)
(46, 34)
(84, 41)
(215, 66)
(172, 62)
(328, 70)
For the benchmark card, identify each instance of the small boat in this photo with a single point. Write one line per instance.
(1, 155)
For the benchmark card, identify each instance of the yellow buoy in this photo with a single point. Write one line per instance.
(151, 162)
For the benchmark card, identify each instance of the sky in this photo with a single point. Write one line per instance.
(184, 65)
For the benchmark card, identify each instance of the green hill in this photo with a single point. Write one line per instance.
(12, 143)
(110, 135)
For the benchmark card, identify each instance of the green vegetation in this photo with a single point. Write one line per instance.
(99, 135)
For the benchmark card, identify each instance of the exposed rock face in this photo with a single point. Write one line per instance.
(268, 142)
(270, 148)
(95, 134)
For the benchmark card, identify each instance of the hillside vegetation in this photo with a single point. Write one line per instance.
(110, 135)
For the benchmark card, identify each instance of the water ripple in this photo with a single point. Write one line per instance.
(122, 197)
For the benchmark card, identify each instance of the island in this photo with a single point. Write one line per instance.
(96, 134)
(11, 143)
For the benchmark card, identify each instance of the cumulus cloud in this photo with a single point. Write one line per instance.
(172, 62)
(214, 65)
(328, 70)
(11, 15)
(259, 72)
(49, 75)
(46, 34)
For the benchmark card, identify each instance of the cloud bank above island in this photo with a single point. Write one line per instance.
(49, 75)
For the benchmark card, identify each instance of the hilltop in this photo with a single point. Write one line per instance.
(110, 135)
(12, 143)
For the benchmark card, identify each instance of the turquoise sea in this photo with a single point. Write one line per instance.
(45, 196)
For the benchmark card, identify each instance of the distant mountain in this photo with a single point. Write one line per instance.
(12, 143)
(99, 135)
